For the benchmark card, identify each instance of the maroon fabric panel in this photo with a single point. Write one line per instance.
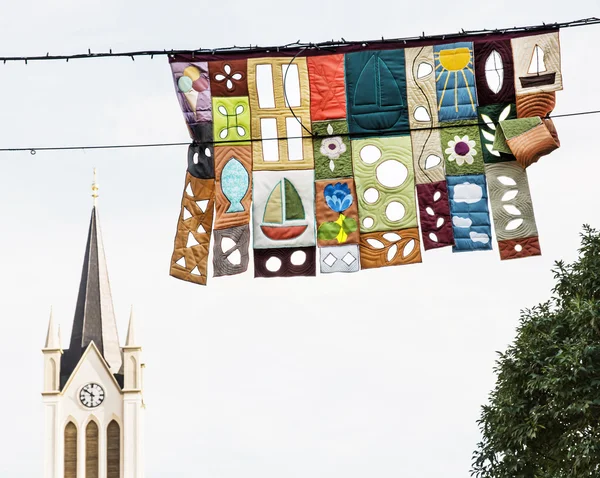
(287, 269)
(430, 231)
(485, 95)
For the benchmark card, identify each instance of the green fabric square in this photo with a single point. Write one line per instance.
(231, 118)
(332, 151)
(462, 148)
(492, 115)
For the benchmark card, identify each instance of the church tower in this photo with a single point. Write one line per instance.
(93, 391)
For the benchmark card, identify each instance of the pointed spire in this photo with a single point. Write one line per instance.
(52, 338)
(94, 319)
(130, 342)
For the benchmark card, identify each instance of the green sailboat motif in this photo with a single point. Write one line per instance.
(284, 204)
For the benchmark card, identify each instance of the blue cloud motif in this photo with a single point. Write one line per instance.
(338, 196)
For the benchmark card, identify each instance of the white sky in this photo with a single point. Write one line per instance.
(379, 373)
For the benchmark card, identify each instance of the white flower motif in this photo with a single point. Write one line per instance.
(461, 150)
(333, 147)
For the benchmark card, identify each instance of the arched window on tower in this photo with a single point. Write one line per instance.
(70, 450)
(134, 372)
(52, 381)
(113, 450)
(91, 450)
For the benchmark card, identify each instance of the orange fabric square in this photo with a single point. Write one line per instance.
(327, 87)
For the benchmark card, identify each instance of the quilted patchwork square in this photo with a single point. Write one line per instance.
(327, 87)
(337, 212)
(455, 81)
(470, 215)
(283, 209)
(376, 92)
(385, 184)
(332, 151)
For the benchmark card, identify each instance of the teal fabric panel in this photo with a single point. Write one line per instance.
(376, 93)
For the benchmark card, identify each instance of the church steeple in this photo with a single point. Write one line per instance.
(94, 319)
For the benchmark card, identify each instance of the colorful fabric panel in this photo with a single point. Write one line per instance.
(283, 209)
(434, 213)
(470, 215)
(385, 187)
(376, 92)
(340, 258)
(327, 147)
(512, 210)
(455, 81)
(285, 262)
(192, 241)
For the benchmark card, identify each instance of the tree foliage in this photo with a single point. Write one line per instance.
(543, 416)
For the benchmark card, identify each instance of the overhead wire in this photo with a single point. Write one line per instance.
(34, 149)
(290, 48)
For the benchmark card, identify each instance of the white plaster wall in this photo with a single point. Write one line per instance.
(92, 369)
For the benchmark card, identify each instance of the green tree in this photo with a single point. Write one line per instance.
(543, 416)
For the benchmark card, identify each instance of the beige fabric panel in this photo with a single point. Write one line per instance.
(504, 179)
(280, 111)
(420, 86)
(422, 113)
(524, 54)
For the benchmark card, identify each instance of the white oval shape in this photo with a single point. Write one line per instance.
(507, 181)
(391, 173)
(433, 237)
(223, 134)
(391, 236)
(371, 195)
(421, 114)
(391, 253)
(298, 258)
(432, 161)
(510, 195)
(374, 243)
(395, 211)
(518, 247)
(510, 209)
(368, 222)
(440, 222)
(273, 264)
(410, 246)
(424, 69)
(429, 211)
(207, 152)
(239, 109)
(222, 110)
(370, 154)
(437, 196)
(514, 224)
(195, 158)
(494, 71)
(235, 257)
(227, 244)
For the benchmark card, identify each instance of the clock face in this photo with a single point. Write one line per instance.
(92, 395)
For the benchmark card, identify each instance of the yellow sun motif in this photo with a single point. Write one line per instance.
(454, 61)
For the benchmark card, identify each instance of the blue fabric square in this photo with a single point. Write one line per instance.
(455, 81)
(469, 210)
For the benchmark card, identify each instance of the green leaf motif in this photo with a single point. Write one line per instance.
(349, 225)
(328, 231)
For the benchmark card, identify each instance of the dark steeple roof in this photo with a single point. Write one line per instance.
(94, 314)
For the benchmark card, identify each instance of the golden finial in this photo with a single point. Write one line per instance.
(95, 187)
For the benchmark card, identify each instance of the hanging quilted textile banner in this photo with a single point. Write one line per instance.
(347, 156)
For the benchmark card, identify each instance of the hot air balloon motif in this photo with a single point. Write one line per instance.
(284, 207)
(234, 184)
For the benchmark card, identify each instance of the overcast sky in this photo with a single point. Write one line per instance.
(380, 373)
